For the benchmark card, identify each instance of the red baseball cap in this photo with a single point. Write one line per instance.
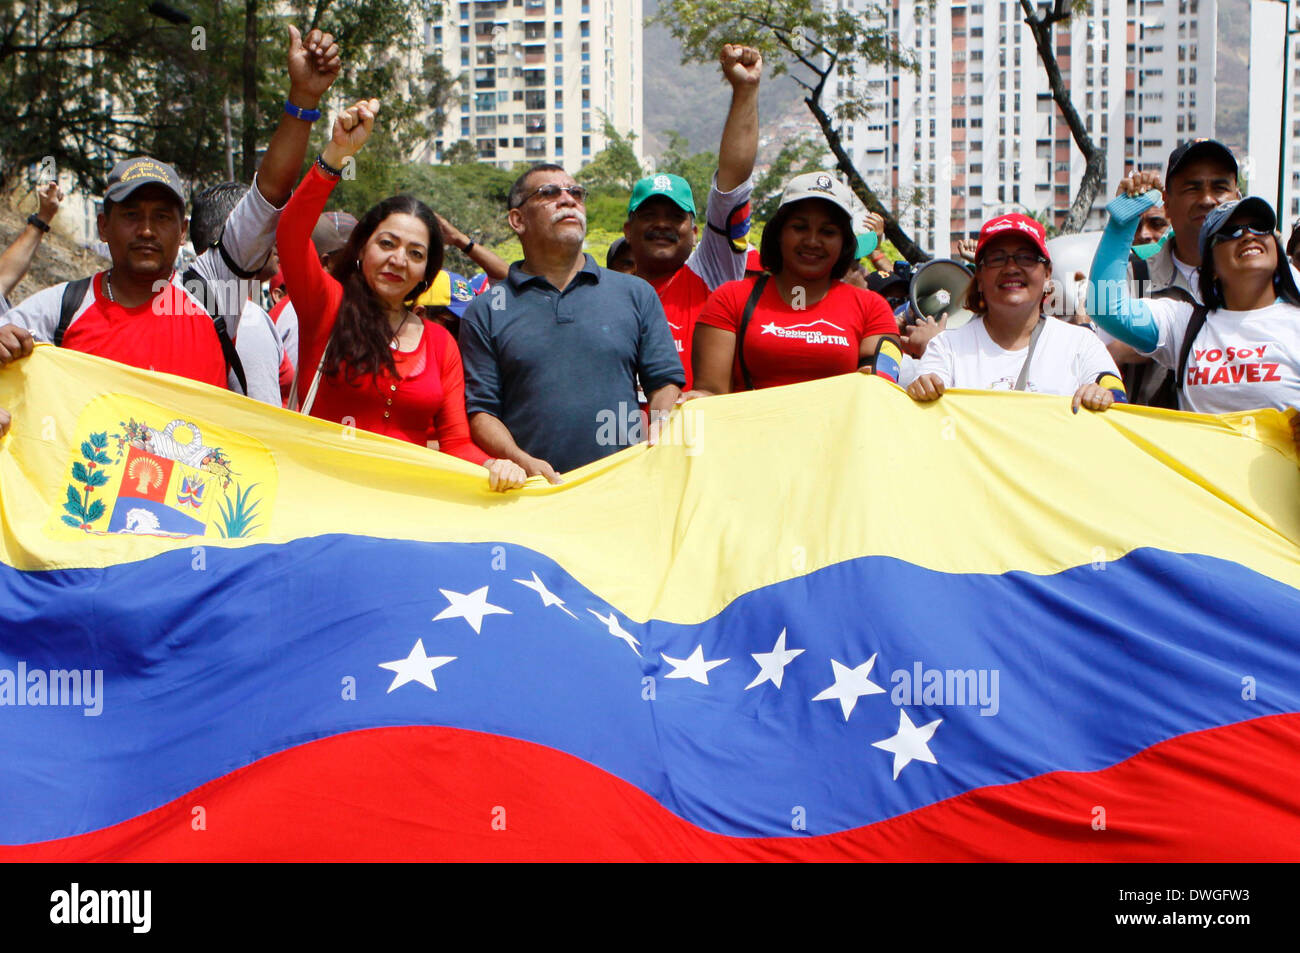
(1015, 224)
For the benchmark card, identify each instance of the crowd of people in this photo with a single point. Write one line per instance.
(530, 369)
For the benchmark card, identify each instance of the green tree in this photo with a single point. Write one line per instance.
(1042, 23)
(795, 158)
(697, 169)
(614, 167)
(470, 196)
(88, 82)
(812, 41)
(460, 152)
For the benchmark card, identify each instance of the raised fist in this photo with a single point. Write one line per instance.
(741, 65)
(50, 195)
(314, 64)
(1138, 182)
(353, 126)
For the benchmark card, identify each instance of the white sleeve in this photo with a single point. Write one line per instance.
(259, 351)
(39, 313)
(286, 326)
(248, 237)
(909, 369)
(938, 359)
(1171, 318)
(715, 259)
(1091, 359)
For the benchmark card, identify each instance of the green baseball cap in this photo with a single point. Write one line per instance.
(672, 187)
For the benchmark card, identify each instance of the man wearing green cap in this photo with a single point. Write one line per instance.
(660, 226)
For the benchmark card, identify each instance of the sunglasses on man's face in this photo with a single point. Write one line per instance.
(550, 191)
(1232, 234)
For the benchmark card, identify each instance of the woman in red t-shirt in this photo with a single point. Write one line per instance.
(375, 362)
(806, 323)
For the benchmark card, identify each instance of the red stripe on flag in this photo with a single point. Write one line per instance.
(423, 793)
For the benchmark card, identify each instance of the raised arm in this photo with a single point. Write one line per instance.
(314, 293)
(742, 66)
(314, 64)
(1123, 317)
(18, 256)
(493, 264)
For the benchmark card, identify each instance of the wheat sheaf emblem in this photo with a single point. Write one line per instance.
(147, 474)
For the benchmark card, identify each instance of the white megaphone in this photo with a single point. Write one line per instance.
(940, 286)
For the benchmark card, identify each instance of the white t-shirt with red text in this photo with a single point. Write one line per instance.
(1241, 360)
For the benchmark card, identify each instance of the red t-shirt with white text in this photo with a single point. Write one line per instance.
(683, 294)
(784, 345)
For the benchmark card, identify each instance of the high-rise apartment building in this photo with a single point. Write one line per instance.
(539, 77)
(1271, 116)
(975, 131)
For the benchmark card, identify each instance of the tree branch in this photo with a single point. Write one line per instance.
(1041, 27)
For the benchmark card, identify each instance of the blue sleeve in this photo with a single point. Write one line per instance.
(1123, 317)
(657, 362)
(479, 359)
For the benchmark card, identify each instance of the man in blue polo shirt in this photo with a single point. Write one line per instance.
(553, 354)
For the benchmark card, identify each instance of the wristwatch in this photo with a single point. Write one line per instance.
(466, 249)
(39, 222)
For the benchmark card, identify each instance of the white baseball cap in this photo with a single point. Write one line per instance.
(818, 185)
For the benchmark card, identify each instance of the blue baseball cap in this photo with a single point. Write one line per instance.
(1253, 207)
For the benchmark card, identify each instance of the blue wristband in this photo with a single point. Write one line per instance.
(297, 112)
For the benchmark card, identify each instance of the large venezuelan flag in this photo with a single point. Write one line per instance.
(817, 622)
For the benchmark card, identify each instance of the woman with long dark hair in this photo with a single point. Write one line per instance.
(1239, 349)
(799, 321)
(365, 355)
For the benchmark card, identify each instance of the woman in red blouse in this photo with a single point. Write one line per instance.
(373, 360)
(804, 322)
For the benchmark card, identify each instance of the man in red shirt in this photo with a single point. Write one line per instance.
(660, 226)
(138, 312)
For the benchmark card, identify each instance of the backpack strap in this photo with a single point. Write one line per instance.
(74, 292)
(1023, 380)
(231, 264)
(193, 282)
(1199, 314)
(759, 284)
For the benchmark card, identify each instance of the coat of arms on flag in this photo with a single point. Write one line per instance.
(143, 469)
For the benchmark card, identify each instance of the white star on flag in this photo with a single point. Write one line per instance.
(617, 630)
(771, 665)
(416, 667)
(548, 598)
(850, 685)
(910, 743)
(471, 607)
(693, 666)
